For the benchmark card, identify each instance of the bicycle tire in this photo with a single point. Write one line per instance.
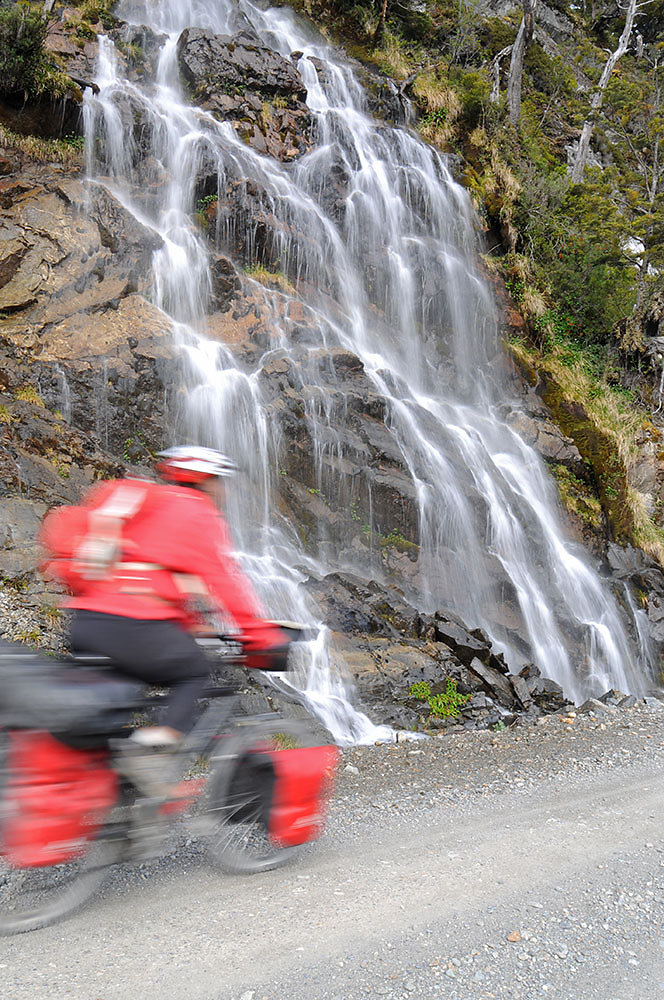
(27, 901)
(243, 846)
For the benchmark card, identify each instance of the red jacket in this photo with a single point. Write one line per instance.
(175, 541)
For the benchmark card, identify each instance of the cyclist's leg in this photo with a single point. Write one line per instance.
(157, 652)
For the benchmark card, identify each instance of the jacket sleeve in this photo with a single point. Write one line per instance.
(229, 586)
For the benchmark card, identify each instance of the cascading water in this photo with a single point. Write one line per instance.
(395, 283)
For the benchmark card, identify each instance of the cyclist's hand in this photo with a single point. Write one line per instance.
(266, 650)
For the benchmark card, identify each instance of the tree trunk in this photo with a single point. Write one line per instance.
(521, 43)
(583, 148)
(380, 27)
(494, 72)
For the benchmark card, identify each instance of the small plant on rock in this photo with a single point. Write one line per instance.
(420, 690)
(445, 705)
(29, 394)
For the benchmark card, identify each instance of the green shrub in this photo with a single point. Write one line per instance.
(473, 89)
(445, 705)
(22, 34)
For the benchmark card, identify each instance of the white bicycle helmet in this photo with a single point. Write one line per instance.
(189, 464)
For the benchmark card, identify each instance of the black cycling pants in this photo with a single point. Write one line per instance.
(157, 652)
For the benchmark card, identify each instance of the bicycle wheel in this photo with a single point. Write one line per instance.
(35, 897)
(239, 841)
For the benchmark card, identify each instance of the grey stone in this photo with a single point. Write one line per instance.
(612, 697)
(521, 690)
(495, 681)
(210, 60)
(592, 705)
(19, 524)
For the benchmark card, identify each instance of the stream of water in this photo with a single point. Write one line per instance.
(396, 283)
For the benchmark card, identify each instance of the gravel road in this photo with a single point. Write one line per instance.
(522, 864)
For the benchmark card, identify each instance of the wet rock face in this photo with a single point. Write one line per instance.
(75, 269)
(630, 567)
(208, 61)
(364, 501)
(388, 646)
(237, 79)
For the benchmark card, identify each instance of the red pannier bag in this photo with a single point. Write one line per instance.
(56, 797)
(303, 783)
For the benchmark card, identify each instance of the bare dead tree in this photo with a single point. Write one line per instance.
(520, 47)
(583, 149)
(494, 73)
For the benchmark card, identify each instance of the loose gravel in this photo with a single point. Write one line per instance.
(523, 864)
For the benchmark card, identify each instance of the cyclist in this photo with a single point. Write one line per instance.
(150, 554)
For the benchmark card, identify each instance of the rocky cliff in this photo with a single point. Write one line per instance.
(90, 371)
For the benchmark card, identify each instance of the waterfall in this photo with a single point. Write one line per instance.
(65, 395)
(395, 282)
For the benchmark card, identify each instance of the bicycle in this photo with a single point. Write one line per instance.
(229, 809)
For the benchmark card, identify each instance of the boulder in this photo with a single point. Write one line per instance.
(629, 702)
(539, 431)
(521, 690)
(612, 697)
(19, 524)
(494, 682)
(236, 78)
(465, 646)
(210, 62)
(593, 706)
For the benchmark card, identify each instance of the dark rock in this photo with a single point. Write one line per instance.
(546, 694)
(594, 706)
(120, 231)
(225, 282)
(465, 646)
(19, 523)
(237, 77)
(497, 660)
(521, 690)
(629, 702)
(539, 431)
(612, 697)
(627, 562)
(542, 685)
(384, 669)
(495, 681)
(385, 99)
(655, 614)
(211, 62)
(140, 47)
